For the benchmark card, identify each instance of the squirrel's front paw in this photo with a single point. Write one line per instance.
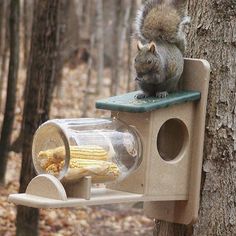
(141, 96)
(162, 94)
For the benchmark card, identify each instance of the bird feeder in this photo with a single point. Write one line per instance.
(150, 150)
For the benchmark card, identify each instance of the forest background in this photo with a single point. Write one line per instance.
(83, 50)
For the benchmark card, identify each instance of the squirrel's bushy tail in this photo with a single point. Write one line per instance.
(161, 20)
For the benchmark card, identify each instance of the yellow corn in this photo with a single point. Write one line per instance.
(56, 155)
(51, 156)
(100, 171)
(53, 169)
(92, 152)
(86, 160)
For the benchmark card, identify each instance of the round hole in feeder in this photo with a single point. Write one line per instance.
(172, 139)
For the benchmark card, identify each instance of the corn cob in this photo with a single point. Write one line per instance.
(51, 156)
(53, 169)
(100, 171)
(56, 155)
(86, 160)
(92, 152)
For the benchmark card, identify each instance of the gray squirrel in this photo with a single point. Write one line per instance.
(161, 44)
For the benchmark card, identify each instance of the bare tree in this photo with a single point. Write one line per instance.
(4, 44)
(212, 37)
(90, 65)
(79, 12)
(121, 23)
(115, 24)
(62, 28)
(41, 77)
(11, 87)
(28, 6)
(100, 44)
(69, 39)
(130, 66)
(2, 8)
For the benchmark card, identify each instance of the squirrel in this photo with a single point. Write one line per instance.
(161, 44)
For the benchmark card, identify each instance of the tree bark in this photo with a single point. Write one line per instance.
(216, 40)
(212, 37)
(40, 75)
(11, 87)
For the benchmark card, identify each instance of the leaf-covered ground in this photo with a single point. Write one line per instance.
(122, 220)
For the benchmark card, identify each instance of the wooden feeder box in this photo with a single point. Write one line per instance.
(168, 177)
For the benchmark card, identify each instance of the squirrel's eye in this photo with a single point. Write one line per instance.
(149, 61)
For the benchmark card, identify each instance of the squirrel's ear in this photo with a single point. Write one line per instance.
(139, 45)
(152, 47)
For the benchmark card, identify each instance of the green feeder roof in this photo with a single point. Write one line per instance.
(129, 103)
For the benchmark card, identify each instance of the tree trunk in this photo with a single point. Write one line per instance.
(123, 12)
(2, 13)
(62, 29)
(11, 87)
(68, 37)
(41, 75)
(4, 45)
(88, 90)
(28, 6)
(115, 26)
(79, 13)
(90, 62)
(215, 34)
(212, 37)
(100, 45)
(130, 66)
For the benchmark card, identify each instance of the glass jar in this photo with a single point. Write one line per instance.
(106, 149)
